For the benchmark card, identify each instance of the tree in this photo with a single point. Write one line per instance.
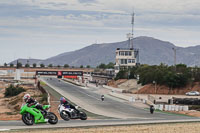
(11, 65)
(122, 74)
(88, 66)
(102, 66)
(110, 65)
(42, 65)
(5, 64)
(34, 65)
(50, 65)
(58, 66)
(81, 66)
(27, 65)
(66, 66)
(19, 64)
(133, 73)
(196, 74)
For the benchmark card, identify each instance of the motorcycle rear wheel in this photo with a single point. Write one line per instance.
(64, 115)
(28, 119)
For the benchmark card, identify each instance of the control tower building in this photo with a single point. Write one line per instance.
(127, 57)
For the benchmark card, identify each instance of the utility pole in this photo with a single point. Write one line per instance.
(27, 69)
(155, 89)
(130, 35)
(174, 49)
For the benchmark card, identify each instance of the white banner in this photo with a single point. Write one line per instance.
(3, 72)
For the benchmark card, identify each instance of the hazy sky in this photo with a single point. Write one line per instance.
(44, 28)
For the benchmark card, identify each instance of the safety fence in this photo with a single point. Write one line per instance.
(171, 107)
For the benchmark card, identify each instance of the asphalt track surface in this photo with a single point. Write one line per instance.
(121, 113)
(88, 98)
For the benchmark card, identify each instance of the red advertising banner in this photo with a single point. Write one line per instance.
(59, 73)
(70, 77)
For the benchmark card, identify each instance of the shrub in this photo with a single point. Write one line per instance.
(13, 91)
(122, 74)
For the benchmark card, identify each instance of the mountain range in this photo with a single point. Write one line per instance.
(151, 51)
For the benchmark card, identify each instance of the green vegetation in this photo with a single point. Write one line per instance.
(88, 66)
(104, 66)
(11, 65)
(122, 74)
(81, 66)
(5, 64)
(173, 77)
(42, 65)
(50, 65)
(42, 83)
(34, 65)
(19, 64)
(27, 65)
(66, 66)
(13, 91)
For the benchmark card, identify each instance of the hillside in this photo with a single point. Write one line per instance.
(152, 51)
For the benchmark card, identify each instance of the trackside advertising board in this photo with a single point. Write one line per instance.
(72, 73)
(60, 73)
(46, 73)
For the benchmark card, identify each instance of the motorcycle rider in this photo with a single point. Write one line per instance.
(30, 101)
(102, 97)
(152, 109)
(66, 104)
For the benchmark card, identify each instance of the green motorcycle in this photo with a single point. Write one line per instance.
(31, 115)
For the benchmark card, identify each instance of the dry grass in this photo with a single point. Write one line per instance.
(10, 107)
(153, 128)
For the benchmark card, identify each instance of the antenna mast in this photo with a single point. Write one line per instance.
(132, 22)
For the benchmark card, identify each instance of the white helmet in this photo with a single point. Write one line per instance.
(26, 97)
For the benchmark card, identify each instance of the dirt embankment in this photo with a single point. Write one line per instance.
(152, 88)
(161, 89)
(10, 107)
(115, 84)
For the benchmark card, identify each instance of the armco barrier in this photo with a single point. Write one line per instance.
(166, 107)
(161, 107)
(185, 108)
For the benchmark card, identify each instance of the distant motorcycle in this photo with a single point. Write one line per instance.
(152, 109)
(31, 115)
(67, 113)
(102, 97)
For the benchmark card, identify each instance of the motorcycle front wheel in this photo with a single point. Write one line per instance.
(83, 116)
(53, 119)
(28, 119)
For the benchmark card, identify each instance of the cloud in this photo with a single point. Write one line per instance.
(87, 1)
(56, 22)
